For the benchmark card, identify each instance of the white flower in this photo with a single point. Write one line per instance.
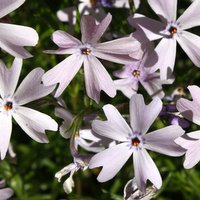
(170, 30)
(31, 121)
(134, 141)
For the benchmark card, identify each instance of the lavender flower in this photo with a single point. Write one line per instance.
(31, 121)
(171, 30)
(96, 77)
(14, 37)
(133, 74)
(134, 141)
(190, 141)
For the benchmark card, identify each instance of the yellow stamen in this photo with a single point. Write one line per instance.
(136, 73)
(173, 30)
(86, 51)
(135, 142)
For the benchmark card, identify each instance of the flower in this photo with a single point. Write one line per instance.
(133, 74)
(135, 141)
(171, 30)
(78, 164)
(14, 37)
(190, 141)
(31, 121)
(96, 77)
(80, 161)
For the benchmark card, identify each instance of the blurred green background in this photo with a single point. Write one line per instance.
(31, 174)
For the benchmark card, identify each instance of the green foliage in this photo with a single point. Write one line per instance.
(31, 175)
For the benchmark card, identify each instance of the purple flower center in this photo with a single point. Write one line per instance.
(172, 30)
(135, 142)
(8, 106)
(136, 73)
(86, 51)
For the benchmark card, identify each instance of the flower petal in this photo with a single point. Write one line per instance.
(190, 17)
(14, 37)
(87, 134)
(9, 77)
(7, 6)
(97, 79)
(119, 154)
(141, 115)
(195, 92)
(34, 123)
(126, 45)
(32, 87)
(63, 73)
(67, 15)
(65, 40)
(194, 134)
(145, 169)
(67, 117)
(191, 45)
(6, 193)
(115, 127)
(122, 59)
(162, 140)
(166, 10)
(166, 51)
(5, 130)
(127, 87)
(150, 27)
(153, 85)
(91, 32)
(190, 109)
(192, 156)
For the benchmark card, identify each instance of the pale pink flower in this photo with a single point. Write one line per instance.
(85, 52)
(33, 122)
(14, 37)
(134, 141)
(171, 30)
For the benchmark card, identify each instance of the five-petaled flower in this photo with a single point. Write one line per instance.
(171, 30)
(33, 122)
(133, 74)
(96, 77)
(135, 141)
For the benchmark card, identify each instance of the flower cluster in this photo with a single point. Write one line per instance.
(106, 139)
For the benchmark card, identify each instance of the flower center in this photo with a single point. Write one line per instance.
(173, 30)
(136, 73)
(135, 142)
(86, 51)
(93, 2)
(8, 106)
